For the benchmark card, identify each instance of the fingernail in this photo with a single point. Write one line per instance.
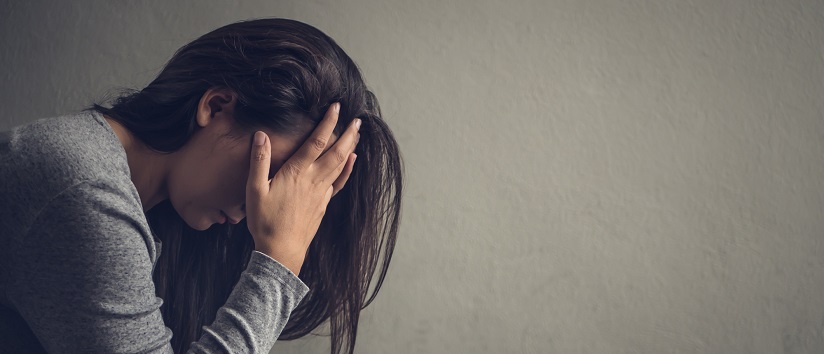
(357, 123)
(260, 137)
(337, 107)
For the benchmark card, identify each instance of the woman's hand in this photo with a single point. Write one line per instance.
(283, 214)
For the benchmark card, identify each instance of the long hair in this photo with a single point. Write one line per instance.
(285, 75)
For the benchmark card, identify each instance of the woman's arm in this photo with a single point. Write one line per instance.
(256, 311)
(82, 280)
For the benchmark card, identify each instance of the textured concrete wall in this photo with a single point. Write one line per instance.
(582, 176)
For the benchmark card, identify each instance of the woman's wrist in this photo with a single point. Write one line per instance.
(292, 262)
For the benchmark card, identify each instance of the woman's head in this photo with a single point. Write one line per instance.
(274, 75)
(279, 76)
(209, 173)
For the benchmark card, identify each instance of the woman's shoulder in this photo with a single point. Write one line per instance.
(68, 148)
(45, 157)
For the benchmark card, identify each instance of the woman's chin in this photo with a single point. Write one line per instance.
(201, 222)
(201, 225)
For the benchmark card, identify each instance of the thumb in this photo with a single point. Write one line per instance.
(259, 164)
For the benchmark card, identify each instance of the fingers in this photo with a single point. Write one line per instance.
(259, 163)
(329, 193)
(316, 143)
(344, 176)
(333, 159)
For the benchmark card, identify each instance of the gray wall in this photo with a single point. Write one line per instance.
(582, 176)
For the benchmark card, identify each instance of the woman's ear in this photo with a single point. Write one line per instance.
(213, 102)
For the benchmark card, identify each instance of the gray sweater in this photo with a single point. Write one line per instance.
(77, 254)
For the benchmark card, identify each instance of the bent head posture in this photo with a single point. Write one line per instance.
(188, 137)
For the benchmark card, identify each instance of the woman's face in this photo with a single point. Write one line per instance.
(212, 170)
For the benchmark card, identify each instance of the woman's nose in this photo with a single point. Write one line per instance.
(237, 214)
(242, 214)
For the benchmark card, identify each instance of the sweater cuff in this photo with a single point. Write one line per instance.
(278, 271)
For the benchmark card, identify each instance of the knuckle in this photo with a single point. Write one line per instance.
(260, 155)
(318, 143)
(320, 182)
(291, 169)
(340, 156)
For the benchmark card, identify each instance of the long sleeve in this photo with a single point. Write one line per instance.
(253, 317)
(82, 280)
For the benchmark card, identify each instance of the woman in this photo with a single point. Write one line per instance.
(115, 219)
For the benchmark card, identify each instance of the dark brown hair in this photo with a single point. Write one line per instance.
(285, 74)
